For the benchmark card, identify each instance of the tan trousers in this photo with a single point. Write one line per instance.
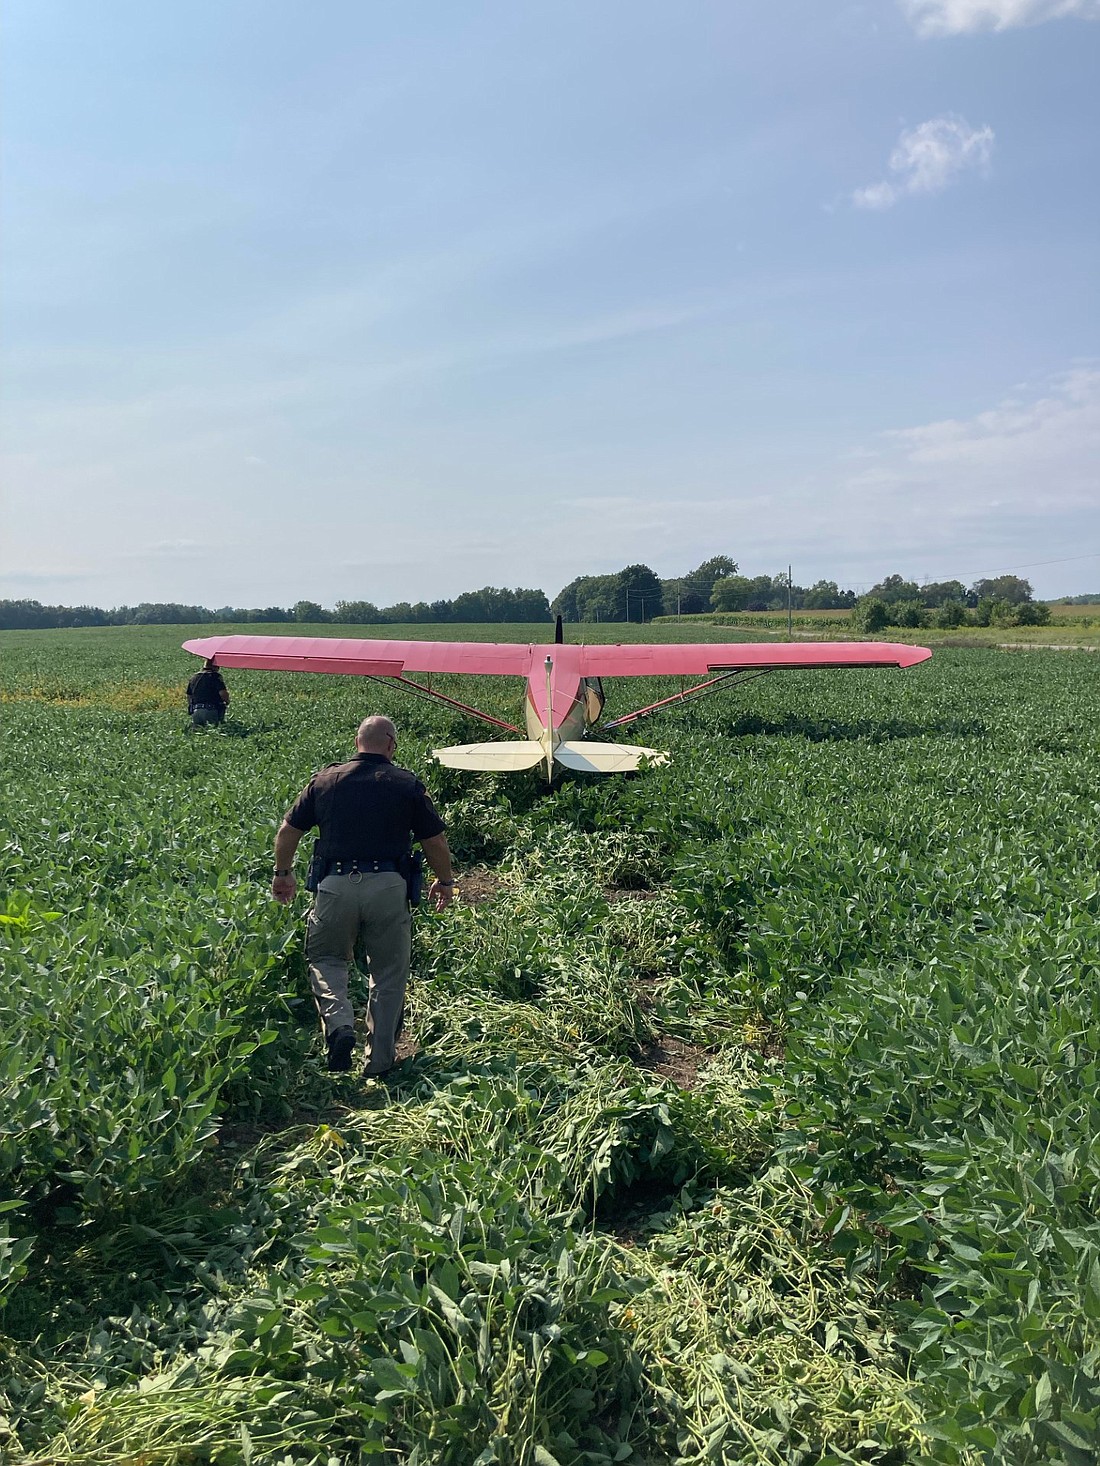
(369, 911)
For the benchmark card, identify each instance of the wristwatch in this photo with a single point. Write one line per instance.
(284, 872)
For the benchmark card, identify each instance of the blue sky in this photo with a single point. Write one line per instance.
(388, 301)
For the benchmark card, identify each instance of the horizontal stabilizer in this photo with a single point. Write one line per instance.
(497, 758)
(606, 758)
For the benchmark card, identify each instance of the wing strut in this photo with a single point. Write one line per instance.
(739, 674)
(429, 694)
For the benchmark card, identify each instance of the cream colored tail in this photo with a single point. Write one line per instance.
(498, 758)
(585, 757)
(606, 758)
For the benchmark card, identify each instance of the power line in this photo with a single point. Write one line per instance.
(1034, 564)
(1010, 569)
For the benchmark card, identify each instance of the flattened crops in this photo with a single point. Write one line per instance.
(750, 1111)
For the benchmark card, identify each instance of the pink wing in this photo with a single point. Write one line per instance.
(365, 658)
(699, 658)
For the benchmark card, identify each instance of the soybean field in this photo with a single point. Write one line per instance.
(751, 1107)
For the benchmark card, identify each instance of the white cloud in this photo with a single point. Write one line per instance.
(952, 499)
(928, 158)
(1050, 435)
(1006, 487)
(958, 17)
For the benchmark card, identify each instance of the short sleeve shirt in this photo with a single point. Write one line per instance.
(206, 688)
(366, 809)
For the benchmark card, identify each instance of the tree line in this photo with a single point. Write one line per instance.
(1002, 600)
(635, 593)
(487, 604)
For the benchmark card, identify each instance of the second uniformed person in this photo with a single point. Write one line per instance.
(207, 696)
(368, 812)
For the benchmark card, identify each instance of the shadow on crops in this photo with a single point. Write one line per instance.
(858, 730)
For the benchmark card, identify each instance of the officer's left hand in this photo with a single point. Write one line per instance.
(284, 889)
(440, 896)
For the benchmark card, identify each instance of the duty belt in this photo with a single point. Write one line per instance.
(360, 866)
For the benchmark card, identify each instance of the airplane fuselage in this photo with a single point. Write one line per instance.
(561, 704)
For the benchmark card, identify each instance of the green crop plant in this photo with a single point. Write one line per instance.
(754, 1117)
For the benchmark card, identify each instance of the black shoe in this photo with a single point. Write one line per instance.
(340, 1044)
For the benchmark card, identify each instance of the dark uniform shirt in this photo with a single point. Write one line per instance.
(368, 809)
(205, 690)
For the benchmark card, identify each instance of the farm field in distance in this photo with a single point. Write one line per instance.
(753, 1113)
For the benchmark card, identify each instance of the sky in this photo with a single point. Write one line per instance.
(367, 300)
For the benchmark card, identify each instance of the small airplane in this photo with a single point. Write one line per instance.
(565, 695)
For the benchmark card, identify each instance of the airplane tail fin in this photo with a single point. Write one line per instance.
(497, 758)
(606, 758)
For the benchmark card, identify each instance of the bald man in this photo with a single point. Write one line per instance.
(368, 812)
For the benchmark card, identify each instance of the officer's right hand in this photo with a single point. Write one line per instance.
(284, 889)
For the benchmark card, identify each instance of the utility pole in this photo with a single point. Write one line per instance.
(789, 636)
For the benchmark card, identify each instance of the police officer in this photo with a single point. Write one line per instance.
(368, 811)
(207, 696)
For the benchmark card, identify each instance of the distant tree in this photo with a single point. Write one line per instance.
(675, 601)
(894, 589)
(938, 592)
(600, 599)
(1008, 588)
(589, 598)
(640, 590)
(82, 616)
(564, 603)
(948, 615)
(26, 615)
(363, 613)
(769, 593)
(160, 613)
(493, 604)
(310, 611)
(605, 597)
(826, 595)
(870, 614)
(1032, 613)
(697, 587)
(474, 605)
(993, 611)
(731, 593)
(742, 593)
(529, 605)
(910, 614)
